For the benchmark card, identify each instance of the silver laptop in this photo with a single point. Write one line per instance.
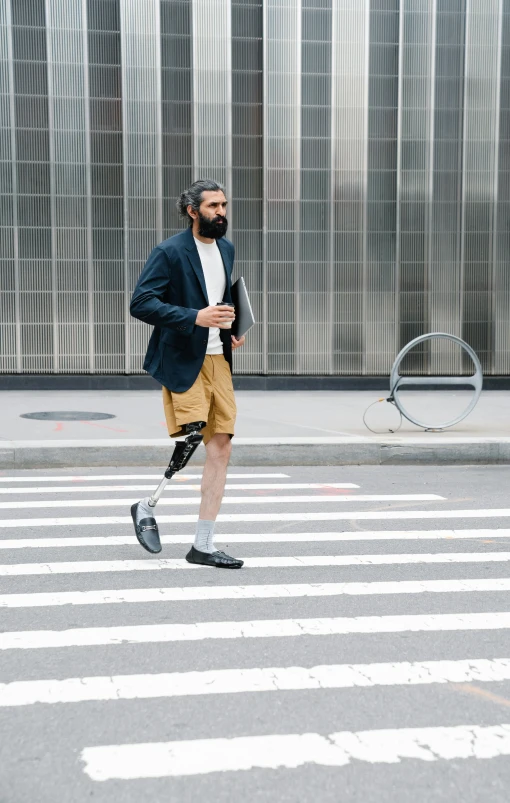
(244, 313)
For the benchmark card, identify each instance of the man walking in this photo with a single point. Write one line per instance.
(184, 292)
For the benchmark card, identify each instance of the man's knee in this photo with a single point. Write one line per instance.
(219, 447)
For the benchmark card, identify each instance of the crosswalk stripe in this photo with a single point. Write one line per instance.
(265, 628)
(229, 500)
(116, 477)
(200, 593)
(235, 681)
(239, 486)
(259, 538)
(300, 561)
(244, 752)
(352, 515)
(202, 756)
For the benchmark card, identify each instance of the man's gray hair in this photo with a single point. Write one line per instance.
(193, 196)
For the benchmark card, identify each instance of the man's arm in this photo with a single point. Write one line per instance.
(147, 301)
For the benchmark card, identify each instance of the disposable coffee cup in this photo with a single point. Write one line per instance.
(227, 324)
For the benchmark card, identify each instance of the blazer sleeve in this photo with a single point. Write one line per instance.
(147, 301)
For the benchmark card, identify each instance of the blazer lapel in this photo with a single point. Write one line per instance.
(227, 264)
(195, 263)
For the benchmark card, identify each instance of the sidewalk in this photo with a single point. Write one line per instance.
(274, 428)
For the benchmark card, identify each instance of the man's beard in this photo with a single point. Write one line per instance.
(214, 229)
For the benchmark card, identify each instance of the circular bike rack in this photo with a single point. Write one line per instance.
(397, 382)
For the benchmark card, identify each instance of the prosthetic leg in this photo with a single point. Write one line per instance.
(142, 512)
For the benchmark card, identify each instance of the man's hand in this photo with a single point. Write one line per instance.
(237, 343)
(215, 316)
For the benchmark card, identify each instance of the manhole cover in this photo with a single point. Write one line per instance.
(67, 415)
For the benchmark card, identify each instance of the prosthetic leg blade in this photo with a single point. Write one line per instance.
(142, 512)
(146, 527)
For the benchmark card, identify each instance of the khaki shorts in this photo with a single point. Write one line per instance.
(210, 399)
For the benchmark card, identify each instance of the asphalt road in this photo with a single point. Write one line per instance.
(370, 663)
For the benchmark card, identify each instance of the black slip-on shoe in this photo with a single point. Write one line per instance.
(147, 532)
(219, 559)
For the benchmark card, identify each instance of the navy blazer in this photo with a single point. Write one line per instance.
(168, 295)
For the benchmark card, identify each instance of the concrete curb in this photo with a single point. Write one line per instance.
(434, 450)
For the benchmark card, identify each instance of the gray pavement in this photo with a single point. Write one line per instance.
(261, 414)
(274, 427)
(41, 744)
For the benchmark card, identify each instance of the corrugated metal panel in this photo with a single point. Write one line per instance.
(314, 335)
(247, 159)
(282, 174)
(418, 31)
(212, 124)
(381, 308)
(10, 332)
(481, 101)
(142, 152)
(106, 184)
(501, 241)
(446, 159)
(69, 211)
(349, 174)
(177, 107)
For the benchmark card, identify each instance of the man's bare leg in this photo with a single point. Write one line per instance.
(218, 452)
(213, 486)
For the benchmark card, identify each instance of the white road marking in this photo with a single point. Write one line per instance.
(264, 628)
(390, 746)
(228, 500)
(239, 486)
(235, 681)
(257, 538)
(160, 564)
(117, 477)
(364, 515)
(290, 590)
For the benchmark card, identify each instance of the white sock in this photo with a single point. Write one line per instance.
(204, 536)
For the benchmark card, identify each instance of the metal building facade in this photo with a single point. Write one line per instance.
(365, 145)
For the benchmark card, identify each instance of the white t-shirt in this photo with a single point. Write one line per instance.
(215, 282)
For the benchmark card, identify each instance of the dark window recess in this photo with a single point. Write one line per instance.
(28, 13)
